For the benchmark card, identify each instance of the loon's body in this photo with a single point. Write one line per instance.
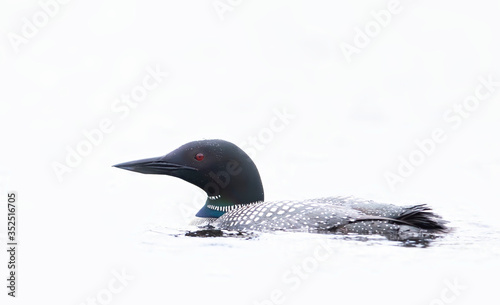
(236, 198)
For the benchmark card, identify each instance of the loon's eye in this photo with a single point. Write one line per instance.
(199, 156)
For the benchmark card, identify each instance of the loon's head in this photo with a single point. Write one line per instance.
(224, 171)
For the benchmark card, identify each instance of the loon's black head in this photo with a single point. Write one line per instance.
(224, 171)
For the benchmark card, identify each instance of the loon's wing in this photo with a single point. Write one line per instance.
(318, 215)
(367, 207)
(420, 216)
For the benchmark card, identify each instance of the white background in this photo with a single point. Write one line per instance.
(229, 73)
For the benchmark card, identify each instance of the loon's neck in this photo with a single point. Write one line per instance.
(215, 207)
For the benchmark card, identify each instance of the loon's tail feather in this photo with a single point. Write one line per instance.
(421, 216)
(417, 216)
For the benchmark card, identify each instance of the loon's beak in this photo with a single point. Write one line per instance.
(152, 166)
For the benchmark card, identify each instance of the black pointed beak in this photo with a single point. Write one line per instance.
(153, 166)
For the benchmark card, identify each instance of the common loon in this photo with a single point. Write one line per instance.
(236, 198)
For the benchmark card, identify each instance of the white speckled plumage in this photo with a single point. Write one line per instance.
(332, 215)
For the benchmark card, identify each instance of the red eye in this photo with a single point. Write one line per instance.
(199, 156)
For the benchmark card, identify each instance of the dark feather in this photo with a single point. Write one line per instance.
(421, 216)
